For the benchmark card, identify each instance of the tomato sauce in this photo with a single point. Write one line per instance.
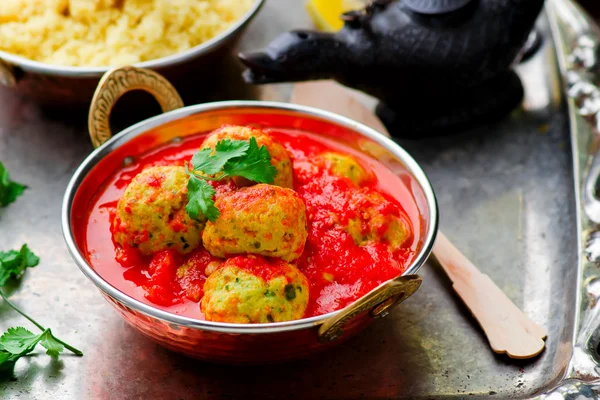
(339, 271)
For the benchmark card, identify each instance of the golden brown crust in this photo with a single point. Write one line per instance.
(261, 219)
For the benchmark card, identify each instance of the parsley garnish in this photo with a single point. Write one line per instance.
(18, 341)
(229, 158)
(9, 190)
(13, 263)
(290, 292)
(200, 199)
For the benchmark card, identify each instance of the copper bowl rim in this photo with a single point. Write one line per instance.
(133, 131)
(158, 63)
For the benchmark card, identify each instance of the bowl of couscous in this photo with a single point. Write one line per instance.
(56, 51)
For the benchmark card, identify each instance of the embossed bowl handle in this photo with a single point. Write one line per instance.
(378, 302)
(7, 74)
(114, 84)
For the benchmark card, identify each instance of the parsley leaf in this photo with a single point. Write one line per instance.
(230, 149)
(203, 161)
(7, 360)
(224, 151)
(13, 263)
(9, 190)
(229, 158)
(53, 346)
(255, 166)
(19, 340)
(200, 199)
(4, 356)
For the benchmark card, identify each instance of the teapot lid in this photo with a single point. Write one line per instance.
(432, 7)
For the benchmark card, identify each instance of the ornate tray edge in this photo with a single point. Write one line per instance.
(577, 42)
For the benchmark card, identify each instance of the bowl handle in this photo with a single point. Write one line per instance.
(7, 74)
(379, 301)
(114, 84)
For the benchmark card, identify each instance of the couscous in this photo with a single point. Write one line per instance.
(111, 32)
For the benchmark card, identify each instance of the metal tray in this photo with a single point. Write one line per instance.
(506, 199)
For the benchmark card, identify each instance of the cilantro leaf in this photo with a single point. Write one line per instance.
(7, 361)
(203, 161)
(200, 199)
(229, 158)
(255, 166)
(9, 190)
(13, 263)
(29, 259)
(52, 345)
(19, 341)
(5, 356)
(225, 150)
(230, 149)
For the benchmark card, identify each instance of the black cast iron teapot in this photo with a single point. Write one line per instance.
(437, 66)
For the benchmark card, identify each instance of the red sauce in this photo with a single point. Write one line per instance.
(264, 268)
(338, 270)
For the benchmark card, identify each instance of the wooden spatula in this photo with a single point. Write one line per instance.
(507, 328)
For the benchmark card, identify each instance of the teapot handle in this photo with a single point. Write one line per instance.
(114, 84)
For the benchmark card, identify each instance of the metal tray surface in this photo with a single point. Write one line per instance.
(506, 199)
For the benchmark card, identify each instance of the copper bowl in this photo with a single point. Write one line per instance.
(224, 342)
(64, 86)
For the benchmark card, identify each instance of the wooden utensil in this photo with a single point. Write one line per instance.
(331, 96)
(507, 328)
